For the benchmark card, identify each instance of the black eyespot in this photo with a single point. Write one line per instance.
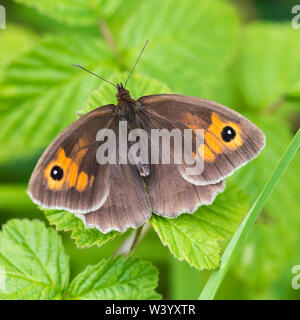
(57, 173)
(228, 134)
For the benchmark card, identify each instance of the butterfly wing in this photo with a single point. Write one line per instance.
(171, 195)
(67, 176)
(127, 204)
(222, 153)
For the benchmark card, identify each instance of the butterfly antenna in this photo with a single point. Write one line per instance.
(76, 65)
(130, 73)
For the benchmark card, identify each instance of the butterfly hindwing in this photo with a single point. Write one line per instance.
(127, 204)
(171, 195)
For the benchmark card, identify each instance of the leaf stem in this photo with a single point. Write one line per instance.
(136, 238)
(216, 278)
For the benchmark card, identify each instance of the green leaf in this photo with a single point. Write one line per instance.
(189, 48)
(83, 236)
(269, 63)
(79, 12)
(42, 91)
(194, 237)
(34, 261)
(119, 278)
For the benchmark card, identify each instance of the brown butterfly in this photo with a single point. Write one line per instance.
(118, 196)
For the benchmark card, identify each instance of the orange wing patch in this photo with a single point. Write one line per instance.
(82, 181)
(70, 166)
(214, 144)
(216, 128)
(63, 162)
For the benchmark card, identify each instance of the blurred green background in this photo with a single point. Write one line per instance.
(244, 54)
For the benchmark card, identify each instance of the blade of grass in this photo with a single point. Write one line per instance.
(216, 278)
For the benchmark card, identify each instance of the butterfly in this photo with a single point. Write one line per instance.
(117, 196)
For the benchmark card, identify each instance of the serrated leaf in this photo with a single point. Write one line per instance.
(194, 237)
(118, 278)
(189, 48)
(83, 236)
(42, 91)
(78, 12)
(34, 261)
(269, 63)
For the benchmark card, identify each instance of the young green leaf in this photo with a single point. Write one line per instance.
(118, 278)
(34, 261)
(83, 236)
(80, 12)
(194, 237)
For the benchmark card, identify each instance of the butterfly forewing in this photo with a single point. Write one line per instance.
(67, 175)
(230, 140)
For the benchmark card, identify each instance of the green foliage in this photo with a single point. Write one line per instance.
(51, 92)
(239, 237)
(35, 266)
(84, 237)
(269, 63)
(42, 87)
(265, 79)
(119, 278)
(189, 48)
(14, 42)
(79, 12)
(194, 238)
(197, 48)
(274, 229)
(34, 261)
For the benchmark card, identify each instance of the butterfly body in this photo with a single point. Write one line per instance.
(116, 196)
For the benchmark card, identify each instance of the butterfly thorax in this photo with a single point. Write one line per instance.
(126, 106)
